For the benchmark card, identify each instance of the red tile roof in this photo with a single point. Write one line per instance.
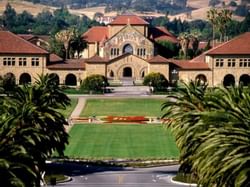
(96, 59)
(26, 36)
(129, 19)
(54, 58)
(158, 59)
(161, 33)
(31, 36)
(13, 44)
(96, 34)
(70, 64)
(239, 45)
(124, 55)
(190, 65)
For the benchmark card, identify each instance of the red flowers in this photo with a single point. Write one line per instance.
(136, 119)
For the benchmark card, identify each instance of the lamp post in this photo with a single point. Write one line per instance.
(174, 74)
(103, 83)
(150, 87)
(79, 77)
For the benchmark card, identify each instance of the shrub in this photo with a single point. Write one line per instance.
(7, 83)
(94, 83)
(157, 80)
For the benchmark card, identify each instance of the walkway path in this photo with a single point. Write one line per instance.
(76, 112)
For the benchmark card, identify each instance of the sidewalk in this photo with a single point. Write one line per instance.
(76, 112)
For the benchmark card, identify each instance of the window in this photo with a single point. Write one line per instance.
(219, 62)
(35, 61)
(233, 62)
(128, 49)
(9, 61)
(22, 61)
(112, 52)
(4, 61)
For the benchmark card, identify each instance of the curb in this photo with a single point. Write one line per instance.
(182, 183)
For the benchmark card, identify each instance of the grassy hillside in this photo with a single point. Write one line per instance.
(200, 7)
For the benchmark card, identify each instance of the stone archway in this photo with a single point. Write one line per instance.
(244, 80)
(127, 72)
(201, 77)
(55, 78)
(229, 80)
(70, 80)
(25, 78)
(11, 78)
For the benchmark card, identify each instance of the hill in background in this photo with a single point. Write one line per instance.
(183, 9)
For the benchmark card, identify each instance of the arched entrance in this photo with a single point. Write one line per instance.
(229, 80)
(25, 78)
(55, 77)
(10, 78)
(70, 80)
(202, 78)
(245, 80)
(127, 72)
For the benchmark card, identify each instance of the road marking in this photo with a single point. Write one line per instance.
(120, 179)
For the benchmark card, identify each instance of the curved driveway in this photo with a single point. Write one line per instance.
(94, 176)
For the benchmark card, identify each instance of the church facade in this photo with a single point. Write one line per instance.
(125, 49)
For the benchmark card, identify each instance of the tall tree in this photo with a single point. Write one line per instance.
(65, 36)
(9, 17)
(184, 39)
(211, 15)
(219, 20)
(77, 44)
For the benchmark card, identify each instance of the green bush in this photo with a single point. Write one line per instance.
(156, 80)
(94, 83)
(7, 83)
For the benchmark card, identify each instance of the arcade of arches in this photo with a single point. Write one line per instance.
(25, 78)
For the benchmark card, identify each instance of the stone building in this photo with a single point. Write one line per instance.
(225, 64)
(125, 49)
(124, 52)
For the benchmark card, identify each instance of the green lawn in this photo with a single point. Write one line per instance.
(70, 108)
(123, 107)
(121, 141)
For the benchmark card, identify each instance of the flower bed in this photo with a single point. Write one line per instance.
(136, 119)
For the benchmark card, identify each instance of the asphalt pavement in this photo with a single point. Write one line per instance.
(96, 176)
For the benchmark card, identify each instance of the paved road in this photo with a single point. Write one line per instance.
(92, 176)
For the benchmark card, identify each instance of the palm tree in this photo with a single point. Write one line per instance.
(194, 38)
(224, 17)
(184, 39)
(31, 125)
(212, 130)
(212, 17)
(65, 36)
(223, 157)
(219, 20)
(78, 44)
(182, 107)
